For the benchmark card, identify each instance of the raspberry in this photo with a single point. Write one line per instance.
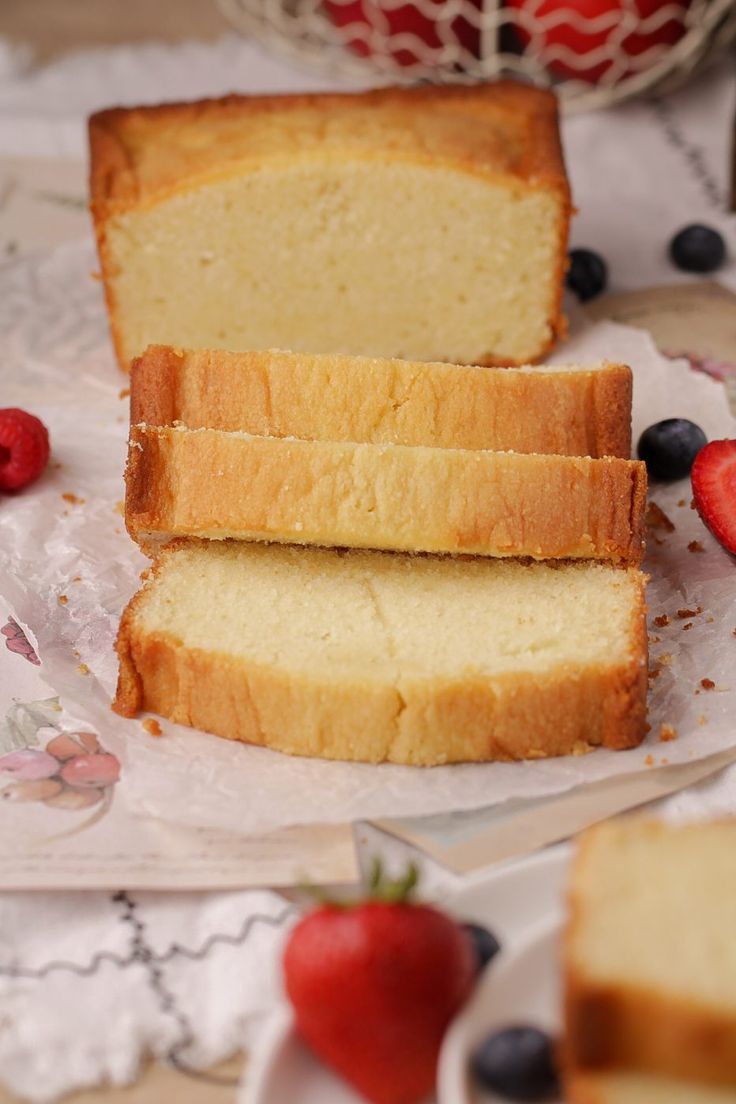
(24, 448)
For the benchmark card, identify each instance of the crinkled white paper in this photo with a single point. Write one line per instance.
(57, 362)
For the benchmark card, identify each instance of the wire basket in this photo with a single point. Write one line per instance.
(591, 60)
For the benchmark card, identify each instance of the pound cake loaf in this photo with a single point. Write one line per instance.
(210, 484)
(428, 223)
(650, 958)
(376, 657)
(570, 410)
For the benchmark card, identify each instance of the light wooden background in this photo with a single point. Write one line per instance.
(54, 27)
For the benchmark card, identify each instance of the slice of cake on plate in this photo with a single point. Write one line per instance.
(650, 961)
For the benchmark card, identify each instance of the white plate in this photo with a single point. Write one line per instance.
(521, 989)
(521, 903)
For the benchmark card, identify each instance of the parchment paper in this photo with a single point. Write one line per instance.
(58, 363)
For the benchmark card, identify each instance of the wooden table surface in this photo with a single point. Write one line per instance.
(55, 27)
(160, 1084)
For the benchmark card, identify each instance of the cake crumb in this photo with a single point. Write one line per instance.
(72, 499)
(120, 507)
(662, 620)
(654, 672)
(56, 706)
(702, 719)
(667, 733)
(62, 599)
(689, 625)
(684, 613)
(77, 579)
(649, 761)
(124, 393)
(656, 518)
(152, 727)
(665, 659)
(695, 546)
(83, 669)
(709, 620)
(692, 504)
(681, 502)
(707, 684)
(75, 653)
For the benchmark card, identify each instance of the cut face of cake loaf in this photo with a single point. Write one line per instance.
(570, 410)
(375, 657)
(425, 223)
(211, 484)
(650, 962)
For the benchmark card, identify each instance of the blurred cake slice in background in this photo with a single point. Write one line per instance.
(650, 959)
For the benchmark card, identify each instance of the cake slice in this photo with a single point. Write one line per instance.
(211, 484)
(571, 410)
(428, 223)
(377, 657)
(650, 955)
(641, 1088)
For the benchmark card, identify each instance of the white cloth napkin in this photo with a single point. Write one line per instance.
(90, 983)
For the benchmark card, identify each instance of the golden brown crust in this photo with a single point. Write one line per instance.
(422, 722)
(611, 1027)
(584, 1089)
(633, 1028)
(129, 693)
(508, 129)
(318, 397)
(205, 483)
(109, 161)
(156, 398)
(503, 132)
(611, 414)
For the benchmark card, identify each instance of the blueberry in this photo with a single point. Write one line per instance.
(698, 249)
(518, 1063)
(485, 944)
(587, 274)
(669, 448)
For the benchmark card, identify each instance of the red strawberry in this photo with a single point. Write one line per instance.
(24, 448)
(714, 490)
(579, 39)
(374, 986)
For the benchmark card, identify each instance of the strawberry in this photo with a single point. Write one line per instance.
(374, 985)
(714, 490)
(24, 448)
(597, 40)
